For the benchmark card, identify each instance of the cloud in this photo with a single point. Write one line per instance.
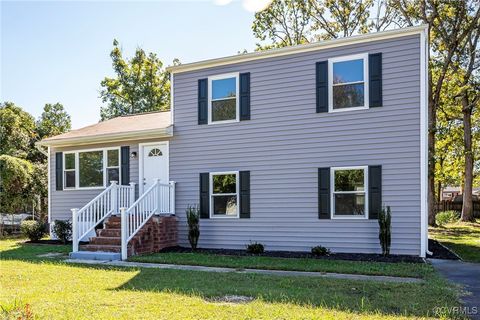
(255, 5)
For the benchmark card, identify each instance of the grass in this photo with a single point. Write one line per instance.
(49, 288)
(463, 238)
(417, 270)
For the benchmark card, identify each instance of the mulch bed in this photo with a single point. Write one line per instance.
(294, 254)
(439, 251)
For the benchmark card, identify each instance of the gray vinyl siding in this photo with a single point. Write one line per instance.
(63, 201)
(286, 141)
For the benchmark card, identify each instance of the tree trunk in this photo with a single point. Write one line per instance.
(432, 123)
(467, 207)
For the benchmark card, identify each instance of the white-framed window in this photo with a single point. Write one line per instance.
(348, 83)
(349, 192)
(223, 100)
(69, 170)
(224, 187)
(91, 169)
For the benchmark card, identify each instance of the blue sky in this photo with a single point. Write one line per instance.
(59, 51)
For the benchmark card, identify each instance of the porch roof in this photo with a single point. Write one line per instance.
(123, 128)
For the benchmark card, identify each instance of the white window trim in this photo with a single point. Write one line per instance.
(77, 168)
(235, 75)
(366, 101)
(210, 194)
(332, 192)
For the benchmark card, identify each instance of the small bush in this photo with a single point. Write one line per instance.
(33, 230)
(63, 230)
(445, 217)
(320, 251)
(193, 220)
(385, 227)
(255, 248)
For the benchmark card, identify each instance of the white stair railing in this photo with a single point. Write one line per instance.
(158, 199)
(108, 202)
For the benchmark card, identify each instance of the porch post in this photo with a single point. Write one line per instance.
(172, 197)
(132, 194)
(123, 232)
(158, 196)
(74, 229)
(114, 197)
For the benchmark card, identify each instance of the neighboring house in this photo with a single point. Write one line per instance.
(292, 147)
(454, 193)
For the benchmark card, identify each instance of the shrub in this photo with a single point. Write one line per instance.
(33, 230)
(320, 251)
(444, 217)
(255, 248)
(193, 220)
(63, 230)
(385, 237)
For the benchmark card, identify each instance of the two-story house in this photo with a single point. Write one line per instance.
(292, 147)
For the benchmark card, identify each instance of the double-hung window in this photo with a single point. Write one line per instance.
(349, 192)
(223, 99)
(224, 194)
(348, 83)
(91, 168)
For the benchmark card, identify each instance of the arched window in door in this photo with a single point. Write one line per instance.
(155, 152)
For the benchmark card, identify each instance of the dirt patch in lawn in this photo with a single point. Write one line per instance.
(295, 255)
(439, 251)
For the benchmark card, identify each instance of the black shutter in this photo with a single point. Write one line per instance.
(322, 86)
(59, 170)
(324, 193)
(245, 96)
(375, 79)
(125, 165)
(374, 191)
(244, 194)
(204, 195)
(202, 101)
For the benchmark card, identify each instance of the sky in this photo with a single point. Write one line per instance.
(59, 51)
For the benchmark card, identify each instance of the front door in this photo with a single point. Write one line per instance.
(155, 164)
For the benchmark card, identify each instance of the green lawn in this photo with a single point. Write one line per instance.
(417, 270)
(462, 238)
(53, 289)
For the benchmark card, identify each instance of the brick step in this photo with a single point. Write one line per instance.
(99, 247)
(106, 241)
(109, 232)
(112, 225)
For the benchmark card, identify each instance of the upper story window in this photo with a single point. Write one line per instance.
(349, 192)
(223, 98)
(348, 83)
(91, 168)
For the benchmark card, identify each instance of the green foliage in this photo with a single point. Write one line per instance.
(320, 251)
(445, 217)
(63, 230)
(193, 220)
(255, 248)
(15, 183)
(33, 230)
(53, 121)
(17, 131)
(140, 85)
(384, 221)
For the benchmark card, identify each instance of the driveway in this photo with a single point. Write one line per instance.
(467, 275)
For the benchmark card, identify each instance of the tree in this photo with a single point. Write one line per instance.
(450, 24)
(15, 183)
(54, 120)
(141, 85)
(17, 131)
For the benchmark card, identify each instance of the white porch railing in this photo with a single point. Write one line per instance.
(106, 203)
(158, 199)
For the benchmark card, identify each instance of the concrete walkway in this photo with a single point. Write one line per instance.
(257, 271)
(467, 275)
